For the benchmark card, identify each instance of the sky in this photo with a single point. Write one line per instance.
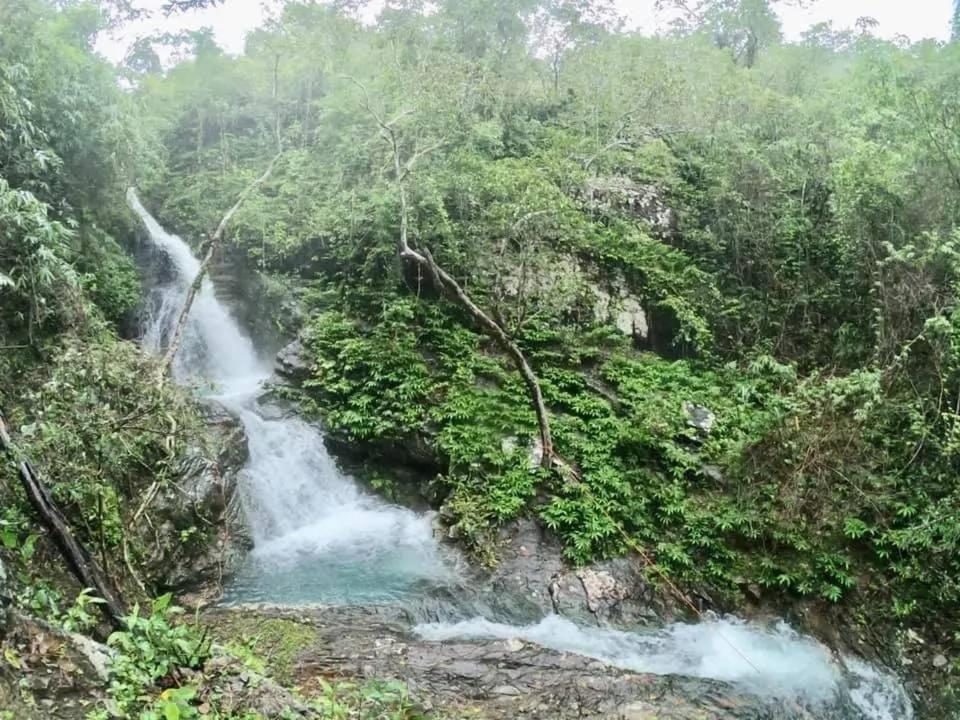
(916, 19)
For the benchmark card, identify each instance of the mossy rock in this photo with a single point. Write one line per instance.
(278, 641)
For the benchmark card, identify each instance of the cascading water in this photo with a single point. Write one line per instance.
(319, 538)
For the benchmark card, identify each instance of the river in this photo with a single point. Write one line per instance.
(320, 539)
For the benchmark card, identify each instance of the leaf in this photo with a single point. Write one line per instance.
(162, 603)
(29, 547)
(171, 711)
(12, 658)
(9, 539)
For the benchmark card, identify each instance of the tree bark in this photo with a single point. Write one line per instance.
(211, 246)
(492, 328)
(81, 563)
(448, 285)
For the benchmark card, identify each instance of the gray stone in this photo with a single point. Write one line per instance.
(940, 661)
(201, 534)
(713, 472)
(291, 362)
(699, 417)
(531, 566)
(641, 202)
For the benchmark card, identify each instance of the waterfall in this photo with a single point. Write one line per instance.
(319, 538)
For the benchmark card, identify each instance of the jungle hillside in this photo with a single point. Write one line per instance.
(692, 297)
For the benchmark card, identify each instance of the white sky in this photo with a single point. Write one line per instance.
(917, 19)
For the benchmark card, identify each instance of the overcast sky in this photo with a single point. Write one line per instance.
(917, 19)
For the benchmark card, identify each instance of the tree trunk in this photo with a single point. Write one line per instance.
(211, 247)
(492, 328)
(446, 283)
(81, 563)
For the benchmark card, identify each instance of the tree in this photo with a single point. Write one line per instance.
(745, 27)
(956, 21)
(175, 6)
(560, 25)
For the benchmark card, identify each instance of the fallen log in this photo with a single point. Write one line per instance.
(81, 563)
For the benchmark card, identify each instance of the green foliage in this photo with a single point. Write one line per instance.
(152, 648)
(785, 214)
(802, 288)
(372, 701)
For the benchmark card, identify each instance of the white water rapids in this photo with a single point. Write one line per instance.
(320, 539)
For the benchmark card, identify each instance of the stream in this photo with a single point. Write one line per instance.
(321, 539)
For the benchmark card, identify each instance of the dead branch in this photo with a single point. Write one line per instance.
(211, 247)
(81, 563)
(448, 285)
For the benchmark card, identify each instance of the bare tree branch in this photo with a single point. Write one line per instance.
(211, 247)
(448, 285)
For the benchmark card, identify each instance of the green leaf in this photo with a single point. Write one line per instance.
(162, 603)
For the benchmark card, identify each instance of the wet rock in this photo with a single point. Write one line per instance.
(201, 535)
(503, 680)
(699, 417)
(531, 566)
(291, 362)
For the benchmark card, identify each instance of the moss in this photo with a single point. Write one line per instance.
(277, 641)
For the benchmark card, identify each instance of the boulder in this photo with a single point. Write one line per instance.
(201, 535)
(613, 592)
(624, 195)
(291, 362)
(699, 417)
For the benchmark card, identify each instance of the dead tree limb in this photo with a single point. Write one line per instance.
(448, 285)
(81, 563)
(210, 248)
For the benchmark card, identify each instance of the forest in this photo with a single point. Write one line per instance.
(692, 297)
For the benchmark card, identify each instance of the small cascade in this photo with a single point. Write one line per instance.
(772, 661)
(320, 539)
(317, 536)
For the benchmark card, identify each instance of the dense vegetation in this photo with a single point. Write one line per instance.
(794, 249)
(784, 411)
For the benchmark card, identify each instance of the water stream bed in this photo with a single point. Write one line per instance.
(320, 539)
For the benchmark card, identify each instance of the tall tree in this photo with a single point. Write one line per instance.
(745, 27)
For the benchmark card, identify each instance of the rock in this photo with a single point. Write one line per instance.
(531, 566)
(913, 637)
(500, 680)
(641, 202)
(600, 589)
(940, 661)
(631, 320)
(699, 417)
(201, 532)
(291, 362)
(56, 674)
(563, 280)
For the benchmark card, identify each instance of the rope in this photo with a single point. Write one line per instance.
(649, 562)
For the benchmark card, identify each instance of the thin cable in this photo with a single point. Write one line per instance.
(659, 571)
